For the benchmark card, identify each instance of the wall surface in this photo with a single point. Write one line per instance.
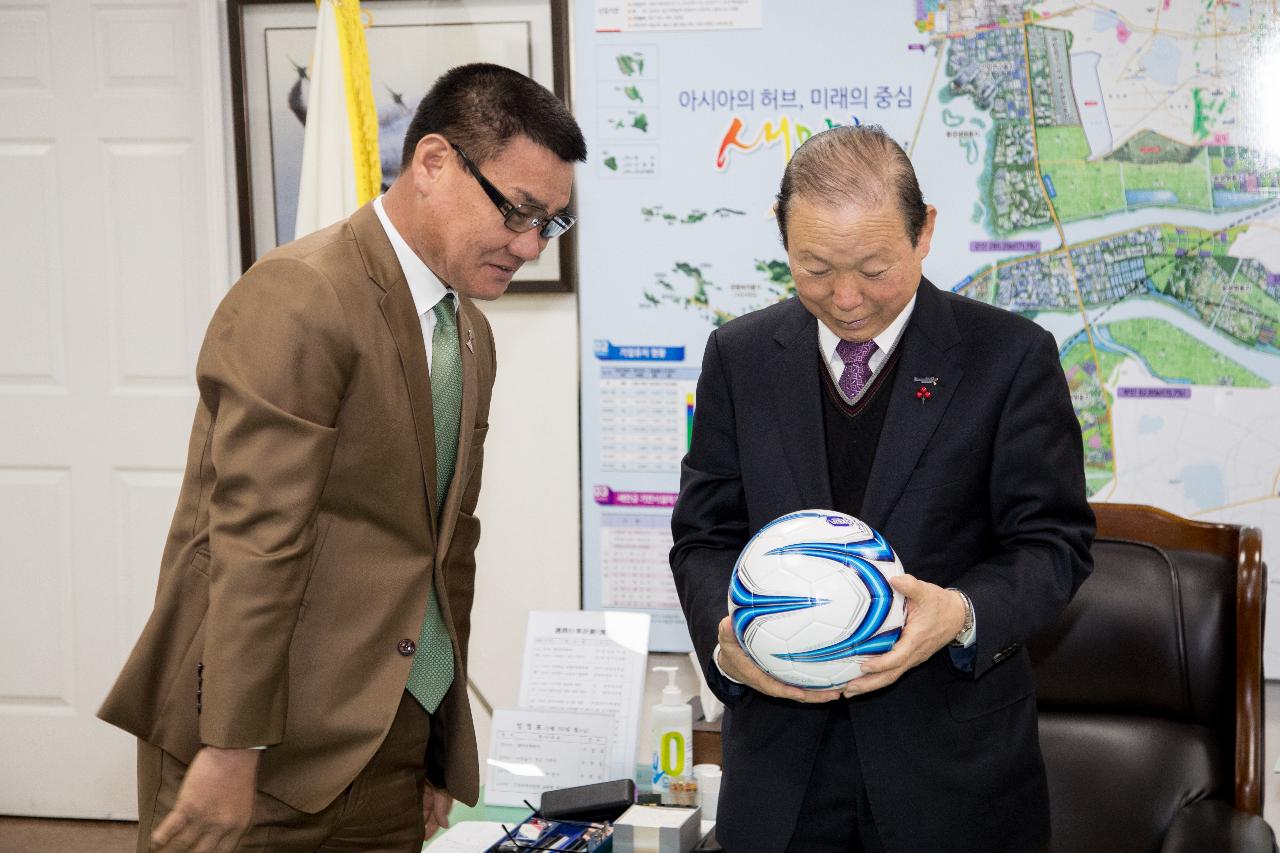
(529, 547)
(529, 551)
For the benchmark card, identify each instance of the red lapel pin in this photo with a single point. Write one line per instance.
(924, 392)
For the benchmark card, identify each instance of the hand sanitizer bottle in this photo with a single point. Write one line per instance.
(672, 737)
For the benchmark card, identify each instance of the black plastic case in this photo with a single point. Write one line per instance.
(597, 802)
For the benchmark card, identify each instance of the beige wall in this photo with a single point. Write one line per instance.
(529, 552)
(529, 547)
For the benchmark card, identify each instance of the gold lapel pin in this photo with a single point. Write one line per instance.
(471, 341)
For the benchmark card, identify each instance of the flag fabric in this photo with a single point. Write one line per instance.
(341, 167)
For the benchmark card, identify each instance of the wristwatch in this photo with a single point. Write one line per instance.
(966, 635)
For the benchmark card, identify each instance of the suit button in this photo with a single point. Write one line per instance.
(406, 647)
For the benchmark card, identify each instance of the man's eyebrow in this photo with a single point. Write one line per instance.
(529, 198)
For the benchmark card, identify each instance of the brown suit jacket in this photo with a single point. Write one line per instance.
(305, 539)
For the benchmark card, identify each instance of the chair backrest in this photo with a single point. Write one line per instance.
(1150, 684)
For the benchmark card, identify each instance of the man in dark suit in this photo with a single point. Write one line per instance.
(946, 425)
(303, 673)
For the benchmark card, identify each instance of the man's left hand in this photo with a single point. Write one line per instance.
(934, 617)
(436, 803)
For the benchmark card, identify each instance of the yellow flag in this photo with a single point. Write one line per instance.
(341, 167)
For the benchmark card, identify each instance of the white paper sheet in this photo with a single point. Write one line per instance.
(619, 16)
(467, 837)
(593, 662)
(535, 751)
(712, 707)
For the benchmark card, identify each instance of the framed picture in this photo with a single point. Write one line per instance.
(411, 43)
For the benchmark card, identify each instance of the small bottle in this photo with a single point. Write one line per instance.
(672, 738)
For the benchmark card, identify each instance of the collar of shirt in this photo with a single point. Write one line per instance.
(424, 285)
(885, 342)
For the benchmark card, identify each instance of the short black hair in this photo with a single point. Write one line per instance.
(859, 164)
(481, 107)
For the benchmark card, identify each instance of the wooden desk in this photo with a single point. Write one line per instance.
(706, 737)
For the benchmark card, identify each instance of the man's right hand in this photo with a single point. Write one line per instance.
(739, 666)
(215, 803)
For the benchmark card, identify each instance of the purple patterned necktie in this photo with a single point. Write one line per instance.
(857, 366)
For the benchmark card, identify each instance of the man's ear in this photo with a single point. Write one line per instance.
(926, 232)
(430, 157)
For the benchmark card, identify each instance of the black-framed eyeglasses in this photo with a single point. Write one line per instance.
(520, 217)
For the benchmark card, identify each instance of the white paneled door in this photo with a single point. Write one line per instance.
(113, 250)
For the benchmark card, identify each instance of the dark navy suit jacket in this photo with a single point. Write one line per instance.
(981, 488)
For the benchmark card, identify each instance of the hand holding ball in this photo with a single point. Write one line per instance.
(810, 598)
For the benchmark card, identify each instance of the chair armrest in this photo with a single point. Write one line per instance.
(1215, 825)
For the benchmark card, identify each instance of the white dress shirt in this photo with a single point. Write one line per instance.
(425, 286)
(885, 342)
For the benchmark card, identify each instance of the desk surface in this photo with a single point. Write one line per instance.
(465, 837)
(480, 812)
(489, 816)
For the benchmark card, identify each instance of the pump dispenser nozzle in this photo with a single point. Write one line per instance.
(671, 693)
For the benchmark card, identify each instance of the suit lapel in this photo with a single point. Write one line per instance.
(467, 344)
(798, 406)
(406, 328)
(909, 423)
(402, 319)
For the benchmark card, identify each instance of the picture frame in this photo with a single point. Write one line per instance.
(411, 42)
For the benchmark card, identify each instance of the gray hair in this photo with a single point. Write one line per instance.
(857, 164)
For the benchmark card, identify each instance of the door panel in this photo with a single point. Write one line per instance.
(113, 230)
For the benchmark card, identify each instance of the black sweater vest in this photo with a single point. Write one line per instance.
(853, 432)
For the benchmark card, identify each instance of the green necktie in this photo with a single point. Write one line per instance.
(432, 671)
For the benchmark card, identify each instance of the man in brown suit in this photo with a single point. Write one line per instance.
(301, 683)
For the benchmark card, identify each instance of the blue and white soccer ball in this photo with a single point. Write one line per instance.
(810, 597)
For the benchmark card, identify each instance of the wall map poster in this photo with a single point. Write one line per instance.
(1110, 170)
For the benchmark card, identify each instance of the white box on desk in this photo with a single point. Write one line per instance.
(657, 829)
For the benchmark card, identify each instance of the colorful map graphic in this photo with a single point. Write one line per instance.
(1111, 170)
(1125, 137)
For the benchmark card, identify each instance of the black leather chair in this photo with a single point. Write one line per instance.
(1150, 691)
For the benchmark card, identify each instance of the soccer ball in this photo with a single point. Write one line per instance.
(810, 598)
